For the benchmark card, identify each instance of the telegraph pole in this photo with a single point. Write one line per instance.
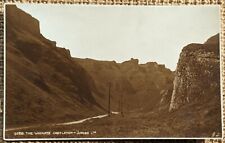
(109, 110)
(121, 105)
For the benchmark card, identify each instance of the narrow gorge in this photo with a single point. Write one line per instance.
(45, 85)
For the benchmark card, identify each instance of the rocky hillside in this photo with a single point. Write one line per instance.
(131, 82)
(44, 84)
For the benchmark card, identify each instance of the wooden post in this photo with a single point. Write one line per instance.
(122, 105)
(109, 110)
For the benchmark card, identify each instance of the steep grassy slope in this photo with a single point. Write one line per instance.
(44, 84)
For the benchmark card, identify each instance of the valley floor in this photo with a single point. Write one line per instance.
(136, 124)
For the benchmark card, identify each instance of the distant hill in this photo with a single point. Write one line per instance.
(139, 85)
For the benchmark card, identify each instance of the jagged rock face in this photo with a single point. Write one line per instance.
(197, 74)
(135, 83)
(166, 95)
(42, 79)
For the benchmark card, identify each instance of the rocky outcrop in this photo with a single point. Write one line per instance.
(197, 74)
(166, 96)
(195, 104)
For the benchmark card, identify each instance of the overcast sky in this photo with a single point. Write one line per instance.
(149, 33)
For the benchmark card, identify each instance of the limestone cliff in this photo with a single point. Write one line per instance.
(197, 74)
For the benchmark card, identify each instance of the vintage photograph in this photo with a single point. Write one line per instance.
(106, 71)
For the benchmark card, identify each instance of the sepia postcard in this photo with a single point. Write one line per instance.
(112, 72)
